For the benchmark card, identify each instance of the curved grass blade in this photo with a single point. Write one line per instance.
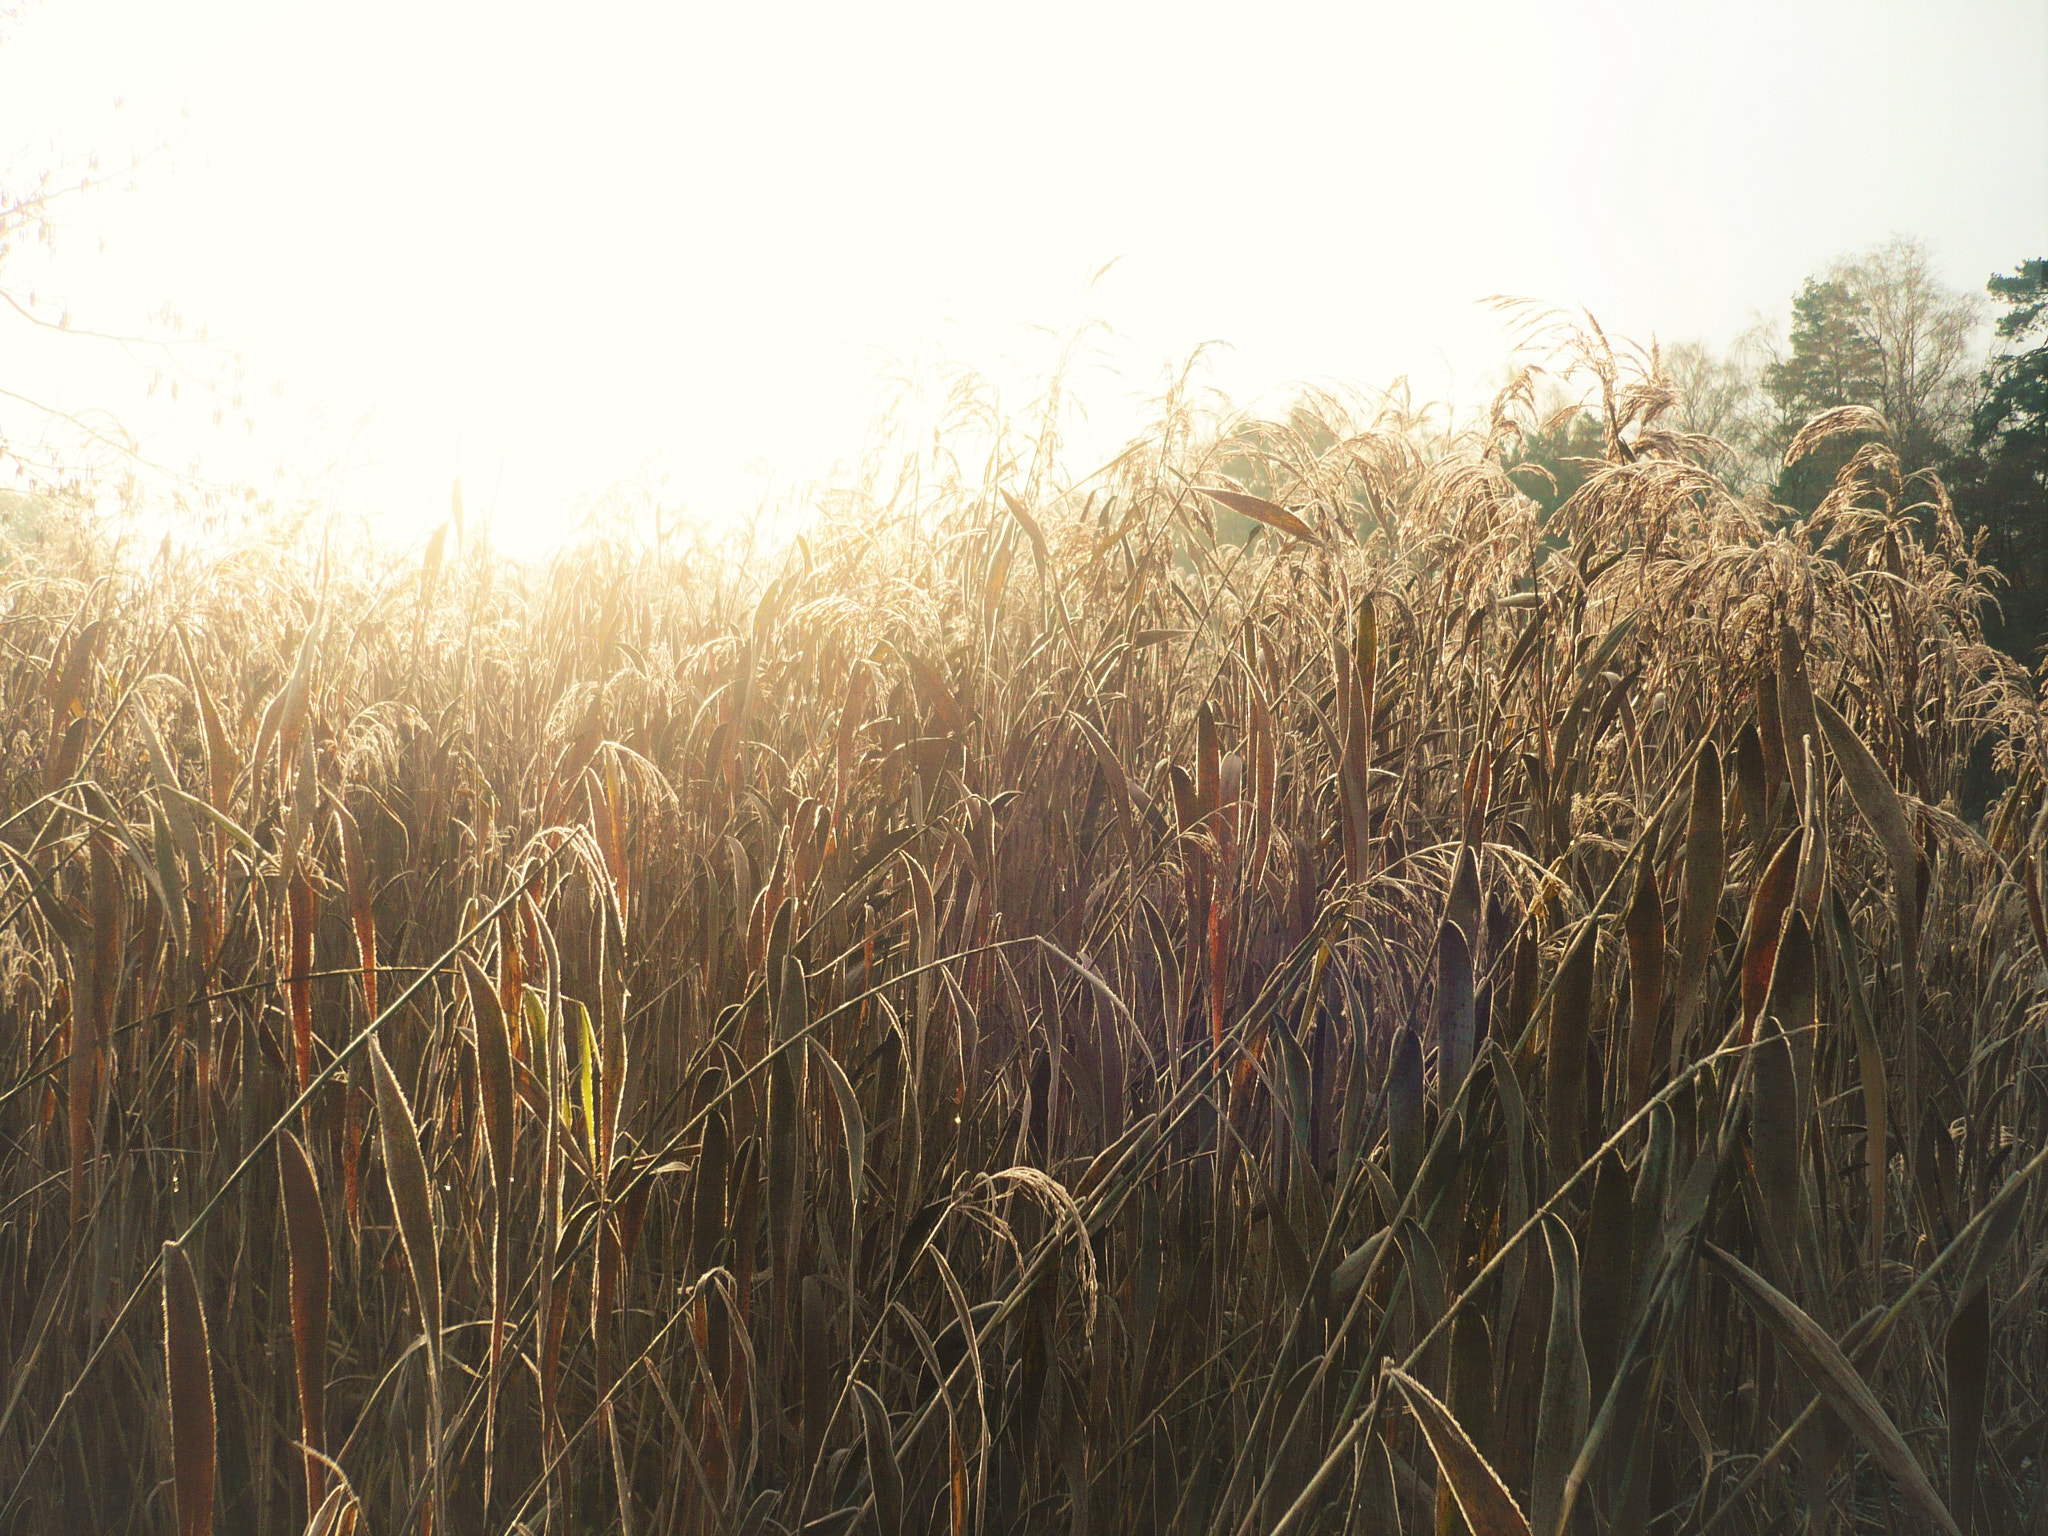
(1564, 1054)
(494, 1099)
(1483, 1499)
(1966, 1355)
(1566, 1402)
(311, 1275)
(1706, 869)
(1454, 1010)
(1269, 513)
(1886, 812)
(412, 1201)
(885, 1474)
(1829, 1370)
(1644, 927)
(188, 1366)
(1767, 907)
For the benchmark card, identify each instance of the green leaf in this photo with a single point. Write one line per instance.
(586, 1078)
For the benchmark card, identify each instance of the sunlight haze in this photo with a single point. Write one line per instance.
(557, 250)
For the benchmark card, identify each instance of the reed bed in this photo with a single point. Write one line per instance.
(1024, 1013)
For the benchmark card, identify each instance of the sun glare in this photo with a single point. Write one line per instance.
(687, 249)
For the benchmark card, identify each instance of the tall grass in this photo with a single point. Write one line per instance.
(1027, 1015)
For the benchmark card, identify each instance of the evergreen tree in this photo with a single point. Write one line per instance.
(1881, 330)
(1833, 362)
(2001, 482)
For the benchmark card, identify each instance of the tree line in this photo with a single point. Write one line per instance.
(1877, 329)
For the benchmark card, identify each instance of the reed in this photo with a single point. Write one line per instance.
(1279, 988)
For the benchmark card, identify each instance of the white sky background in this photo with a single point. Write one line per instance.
(559, 248)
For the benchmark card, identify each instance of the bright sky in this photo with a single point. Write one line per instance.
(554, 249)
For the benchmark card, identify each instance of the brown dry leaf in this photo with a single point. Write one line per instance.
(1767, 907)
(815, 1348)
(65, 687)
(303, 911)
(1264, 756)
(1260, 510)
(494, 1100)
(223, 764)
(1405, 1108)
(1774, 1143)
(1886, 811)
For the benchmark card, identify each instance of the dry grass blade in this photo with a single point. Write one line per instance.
(1795, 710)
(885, 1475)
(1483, 1499)
(1269, 513)
(1966, 1356)
(362, 916)
(1813, 847)
(1876, 1124)
(1792, 1000)
(786, 1138)
(1886, 812)
(816, 1348)
(188, 1366)
(1607, 1280)
(494, 1073)
(1822, 1362)
(311, 1276)
(1966, 1348)
(1645, 930)
(1404, 1108)
(1767, 907)
(412, 1201)
(302, 914)
(405, 1170)
(1454, 1010)
(1774, 1144)
(1566, 1402)
(97, 977)
(338, 1514)
(1564, 1056)
(852, 1123)
(1871, 788)
(956, 1482)
(1706, 869)
(494, 1101)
